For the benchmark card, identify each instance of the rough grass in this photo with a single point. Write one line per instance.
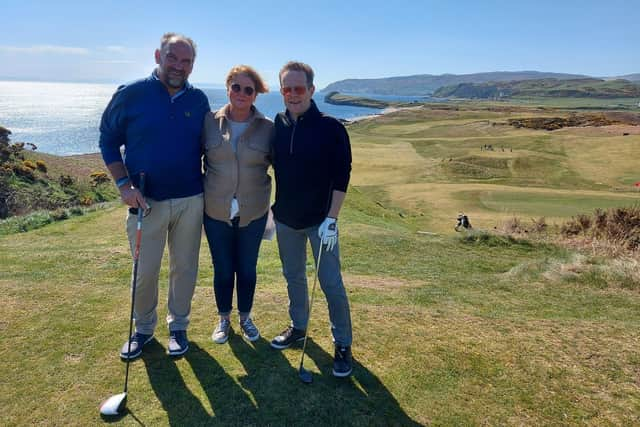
(475, 330)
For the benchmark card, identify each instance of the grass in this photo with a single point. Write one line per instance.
(425, 162)
(449, 329)
(462, 331)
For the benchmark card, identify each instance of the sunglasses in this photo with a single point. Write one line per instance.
(248, 90)
(298, 90)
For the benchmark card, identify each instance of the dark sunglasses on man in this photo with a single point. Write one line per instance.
(248, 90)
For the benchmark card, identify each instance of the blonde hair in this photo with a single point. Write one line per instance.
(261, 86)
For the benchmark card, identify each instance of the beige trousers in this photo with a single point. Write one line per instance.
(178, 222)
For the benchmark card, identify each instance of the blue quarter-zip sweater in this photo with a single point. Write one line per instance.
(161, 136)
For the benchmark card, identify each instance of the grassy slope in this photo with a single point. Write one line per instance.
(447, 331)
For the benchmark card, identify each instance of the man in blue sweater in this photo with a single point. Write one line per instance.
(159, 122)
(312, 164)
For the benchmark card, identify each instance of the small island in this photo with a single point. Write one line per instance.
(336, 98)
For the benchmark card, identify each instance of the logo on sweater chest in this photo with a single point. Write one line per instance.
(187, 114)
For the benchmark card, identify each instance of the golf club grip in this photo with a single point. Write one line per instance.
(141, 185)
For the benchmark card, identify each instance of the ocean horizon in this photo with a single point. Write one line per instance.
(63, 118)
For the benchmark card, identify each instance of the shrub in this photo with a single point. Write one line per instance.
(24, 172)
(98, 178)
(66, 180)
(618, 227)
(539, 225)
(60, 214)
(41, 165)
(29, 164)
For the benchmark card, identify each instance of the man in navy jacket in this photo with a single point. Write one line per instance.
(312, 164)
(159, 122)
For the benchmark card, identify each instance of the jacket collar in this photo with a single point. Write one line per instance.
(312, 112)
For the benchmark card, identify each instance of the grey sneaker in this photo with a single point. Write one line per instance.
(249, 329)
(178, 343)
(221, 334)
(138, 341)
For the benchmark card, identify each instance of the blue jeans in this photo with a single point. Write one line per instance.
(234, 251)
(292, 245)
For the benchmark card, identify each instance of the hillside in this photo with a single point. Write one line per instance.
(426, 84)
(573, 88)
(32, 181)
(631, 77)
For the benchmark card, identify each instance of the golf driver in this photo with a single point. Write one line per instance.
(306, 376)
(115, 405)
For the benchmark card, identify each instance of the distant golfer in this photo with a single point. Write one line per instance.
(312, 163)
(462, 222)
(159, 122)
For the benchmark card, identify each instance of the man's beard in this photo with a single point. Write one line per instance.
(175, 82)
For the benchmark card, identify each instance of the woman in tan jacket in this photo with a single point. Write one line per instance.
(237, 191)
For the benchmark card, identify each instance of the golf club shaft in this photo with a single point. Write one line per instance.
(313, 293)
(134, 279)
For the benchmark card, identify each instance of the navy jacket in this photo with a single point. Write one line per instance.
(161, 136)
(311, 158)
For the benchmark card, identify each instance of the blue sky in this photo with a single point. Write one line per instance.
(114, 40)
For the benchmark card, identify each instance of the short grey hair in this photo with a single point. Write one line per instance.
(173, 37)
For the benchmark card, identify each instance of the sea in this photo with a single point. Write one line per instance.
(64, 118)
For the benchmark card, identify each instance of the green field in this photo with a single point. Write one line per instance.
(449, 328)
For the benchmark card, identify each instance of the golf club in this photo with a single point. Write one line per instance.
(115, 405)
(306, 376)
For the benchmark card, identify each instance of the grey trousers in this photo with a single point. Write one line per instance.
(293, 254)
(178, 222)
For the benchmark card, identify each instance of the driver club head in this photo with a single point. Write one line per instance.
(305, 376)
(115, 405)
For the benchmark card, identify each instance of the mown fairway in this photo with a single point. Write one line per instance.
(448, 329)
(429, 164)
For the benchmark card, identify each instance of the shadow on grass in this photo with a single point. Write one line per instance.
(270, 393)
(281, 398)
(170, 388)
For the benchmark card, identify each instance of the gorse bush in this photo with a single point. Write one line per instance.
(29, 164)
(98, 178)
(42, 166)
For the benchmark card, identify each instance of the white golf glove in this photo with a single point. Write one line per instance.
(328, 233)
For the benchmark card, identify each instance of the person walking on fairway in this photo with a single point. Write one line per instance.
(159, 122)
(312, 164)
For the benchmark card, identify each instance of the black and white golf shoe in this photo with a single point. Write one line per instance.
(342, 362)
(288, 337)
